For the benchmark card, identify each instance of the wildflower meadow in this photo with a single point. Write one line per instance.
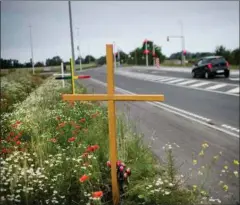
(56, 152)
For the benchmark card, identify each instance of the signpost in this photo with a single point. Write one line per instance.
(111, 97)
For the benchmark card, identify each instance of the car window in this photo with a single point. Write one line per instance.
(218, 60)
(200, 62)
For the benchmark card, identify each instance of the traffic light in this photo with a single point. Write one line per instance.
(184, 52)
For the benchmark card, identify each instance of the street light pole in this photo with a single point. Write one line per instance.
(146, 53)
(33, 69)
(71, 33)
(183, 45)
(80, 60)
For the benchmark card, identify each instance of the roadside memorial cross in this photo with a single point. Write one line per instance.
(111, 97)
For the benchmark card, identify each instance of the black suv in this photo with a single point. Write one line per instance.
(211, 66)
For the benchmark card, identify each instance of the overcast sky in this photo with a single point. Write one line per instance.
(206, 25)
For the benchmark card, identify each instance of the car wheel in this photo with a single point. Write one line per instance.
(193, 74)
(226, 75)
(206, 75)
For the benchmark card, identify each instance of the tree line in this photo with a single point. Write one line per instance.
(54, 61)
(135, 57)
(232, 56)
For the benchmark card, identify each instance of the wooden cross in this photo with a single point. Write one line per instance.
(111, 97)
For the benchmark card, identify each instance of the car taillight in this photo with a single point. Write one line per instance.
(209, 66)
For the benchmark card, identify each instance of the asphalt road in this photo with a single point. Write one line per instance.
(171, 127)
(233, 79)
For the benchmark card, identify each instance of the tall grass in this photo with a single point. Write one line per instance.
(56, 153)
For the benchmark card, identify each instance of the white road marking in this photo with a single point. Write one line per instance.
(234, 90)
(199, 84)
(230, 127)
(168, 108)
(187, 82)
(234, 79)
(167, 79)
(176, 81)
(214, 87)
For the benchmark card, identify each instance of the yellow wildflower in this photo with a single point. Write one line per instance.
(194, 162)
(221, 182)
(205, 145)
(225, 187)
(194, 187)
(203, 193)
(216, 157)
(225, 167)
(201, 153)
(236, 162)
(235, 173)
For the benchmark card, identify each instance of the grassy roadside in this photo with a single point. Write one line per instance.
(4, 72)
(16, 86)
(55, 152)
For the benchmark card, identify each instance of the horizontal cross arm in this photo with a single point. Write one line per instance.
(116, 97)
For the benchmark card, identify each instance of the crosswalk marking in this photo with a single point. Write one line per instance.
(234, 90)
(216, 87)
(199, 84)
(176, 81)
(183, 82)
(167, 79)
(187, 82)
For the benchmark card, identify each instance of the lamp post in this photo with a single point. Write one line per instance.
(182, 42)
(71, 33)
(80, 60)
(31, 44)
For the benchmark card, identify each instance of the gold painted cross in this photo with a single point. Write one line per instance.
(111, 98)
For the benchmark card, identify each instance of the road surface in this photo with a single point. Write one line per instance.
(188, 117)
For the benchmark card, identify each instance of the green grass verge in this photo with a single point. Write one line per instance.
(47, 149)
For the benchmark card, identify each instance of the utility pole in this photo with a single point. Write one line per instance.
(153, 55)
(71, 32)
(146, 53)
(33, 69)
(183, 44)
(136, 57)
(80, 60)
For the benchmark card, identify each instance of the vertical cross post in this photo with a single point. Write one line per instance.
(112, 124)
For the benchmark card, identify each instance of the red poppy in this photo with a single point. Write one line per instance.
(97, 194)
(77, 126)
(83, 178)
(82, 120)
(11, 134)
(92, 148)
(61, 125)
(18, 122)
(18, 142)
(71, 139)
(54, 140)
(5, 150)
